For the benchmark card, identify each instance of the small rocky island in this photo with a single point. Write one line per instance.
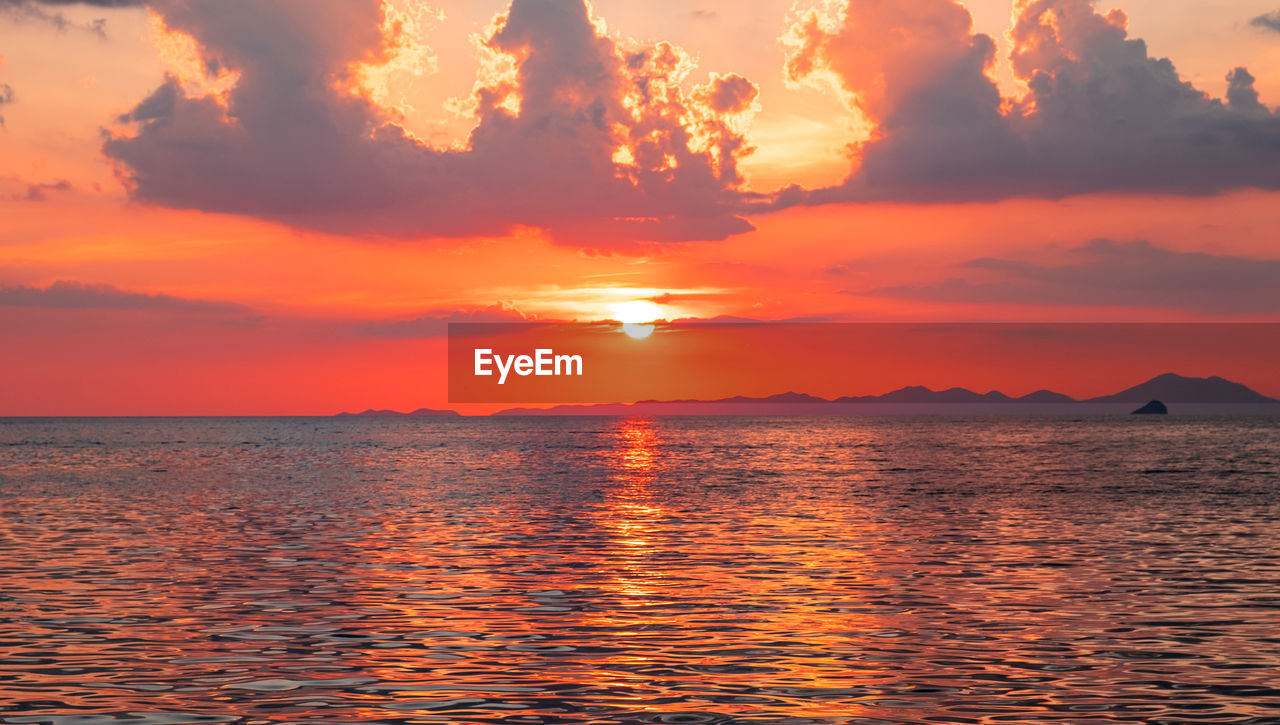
(1155, 407)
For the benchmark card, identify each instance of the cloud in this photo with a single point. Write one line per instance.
(1100, 114)
(86, 3)
(1106, 272)
(36, 192)
(675, 298)
(6, 97)
(1267, 21)
(731, 94)
(436, 324)
(75, 295)
(35, 11)
(593, 139)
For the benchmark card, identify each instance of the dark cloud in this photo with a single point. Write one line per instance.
(36, 192)
(86, 3)
(1101, 114)
(1269, 21)
(1241, 95)
(732, 94)
(6, 97)
(75, 295)
(599, 153)
(436, 324)
(1106, 273)
(669, 298)
(733, 320)
(37, 11)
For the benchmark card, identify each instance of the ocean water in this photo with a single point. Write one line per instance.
(610, 570)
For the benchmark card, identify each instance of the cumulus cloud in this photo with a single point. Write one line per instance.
(590, 138)
(1268, 21)
(730, 94)
(1106, 272)
(1100, 114)
(76, 295)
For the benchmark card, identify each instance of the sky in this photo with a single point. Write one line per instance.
(275, 207)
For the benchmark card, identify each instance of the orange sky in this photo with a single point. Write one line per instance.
(261, 239)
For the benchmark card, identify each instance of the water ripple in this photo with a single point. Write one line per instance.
(513, 571)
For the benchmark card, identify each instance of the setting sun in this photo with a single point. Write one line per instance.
(637, 331)
(637, 317)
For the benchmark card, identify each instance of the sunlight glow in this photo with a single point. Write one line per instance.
(389, 81)
(637, 312)
(182, 56)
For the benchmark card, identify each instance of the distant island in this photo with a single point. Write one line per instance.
(1172, 388)
(1155, 407)
(1178, 391)
(419, 413)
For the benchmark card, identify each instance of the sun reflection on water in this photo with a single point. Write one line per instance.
(631, 510)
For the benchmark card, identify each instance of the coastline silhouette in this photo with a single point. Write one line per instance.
(1214, 392)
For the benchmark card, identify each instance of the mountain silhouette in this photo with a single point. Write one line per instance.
(920, 394)
(1173, 388)
(419, 413)
(779, 398)
(1169, 387)
(1046, 396)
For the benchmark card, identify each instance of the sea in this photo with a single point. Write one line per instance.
(908, 569)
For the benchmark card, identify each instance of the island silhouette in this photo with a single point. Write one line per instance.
(419, 413)
(1189, 394)
(1155, 407)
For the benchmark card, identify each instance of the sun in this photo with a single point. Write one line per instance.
(636, 330)
(637, 317)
